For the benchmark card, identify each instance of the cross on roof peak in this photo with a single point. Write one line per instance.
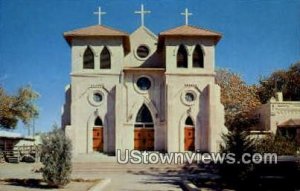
(186, 14)
(142, 12)
(99, 13)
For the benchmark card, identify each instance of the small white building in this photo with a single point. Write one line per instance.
(279, 116)
(143, 91)
(9, 140)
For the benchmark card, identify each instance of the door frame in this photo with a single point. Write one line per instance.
(102, 137)
(190, 127)
(181, 134)
(154, 114)
(89, 129)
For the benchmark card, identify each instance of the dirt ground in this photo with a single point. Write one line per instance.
(73, 186)
(12, 179)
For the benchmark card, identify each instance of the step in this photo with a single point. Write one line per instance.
(13, 159)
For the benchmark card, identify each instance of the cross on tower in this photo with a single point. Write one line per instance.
(186, 14)
(99, 13)
(142, 12)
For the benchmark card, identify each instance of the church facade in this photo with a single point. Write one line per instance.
(143, 91)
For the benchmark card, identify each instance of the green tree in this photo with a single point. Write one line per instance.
(56, 157)
(237, 142)
(287, 81)
(19, 107)
(238, 98)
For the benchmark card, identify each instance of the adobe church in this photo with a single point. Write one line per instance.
(143, 91)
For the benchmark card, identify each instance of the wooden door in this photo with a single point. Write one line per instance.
(98, 138)
(144, 139)
(189, 139)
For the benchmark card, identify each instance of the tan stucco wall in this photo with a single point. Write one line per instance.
(122, 99)
(277, 111)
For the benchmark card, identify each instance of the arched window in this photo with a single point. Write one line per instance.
(105, 61)
(182, 58)
(98, 122)
(144, 118)
(198, 57)
(189, 121)
(88, 59)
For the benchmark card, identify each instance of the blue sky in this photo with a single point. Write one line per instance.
(259, 36)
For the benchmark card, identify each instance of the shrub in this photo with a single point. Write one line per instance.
(276, 144)
(56, 157)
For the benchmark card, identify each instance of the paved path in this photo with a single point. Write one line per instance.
(130, 177)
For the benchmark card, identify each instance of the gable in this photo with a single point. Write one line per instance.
(143, 38)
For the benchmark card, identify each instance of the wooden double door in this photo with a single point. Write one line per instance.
(144, 139)
(98, 139)
(189, 138)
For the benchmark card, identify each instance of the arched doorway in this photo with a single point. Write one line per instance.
(98, 135)
(144, 130)
(189, 135)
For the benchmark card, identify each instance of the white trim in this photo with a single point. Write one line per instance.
(183, 99)
(140, 58)
(91, 94)
(136, 78)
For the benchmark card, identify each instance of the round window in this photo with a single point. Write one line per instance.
(143, 83)
(142, 51)
(189, 97)
(97, 97)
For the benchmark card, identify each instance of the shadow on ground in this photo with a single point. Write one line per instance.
(270, 177)
(28, 183)
(167, 175)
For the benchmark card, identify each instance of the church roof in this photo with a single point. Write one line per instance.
(290, 123)
(97, 31)
(189, 31)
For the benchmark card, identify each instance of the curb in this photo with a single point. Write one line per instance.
(100, 185)
(190, 186)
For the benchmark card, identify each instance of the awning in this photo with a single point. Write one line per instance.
(290, 123)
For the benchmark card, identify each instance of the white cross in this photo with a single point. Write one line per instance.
(186, 14)
(142, 12)
(99, 13)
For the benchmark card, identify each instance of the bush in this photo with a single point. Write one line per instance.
(56, 157)
(277, 144)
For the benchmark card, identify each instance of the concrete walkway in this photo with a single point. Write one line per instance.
(128, 177)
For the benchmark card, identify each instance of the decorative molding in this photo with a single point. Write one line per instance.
(285, 109)
(183, 97)
(91, 97)
(136, 54)
(137, 89)
(97, 86)
(193, 86)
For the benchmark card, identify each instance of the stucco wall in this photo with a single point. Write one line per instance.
(165, 99)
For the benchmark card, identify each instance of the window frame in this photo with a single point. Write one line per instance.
(182, 51)
(198, 50)
(88, 59)
(105, 66)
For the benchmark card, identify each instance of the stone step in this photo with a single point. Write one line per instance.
(13, 159)
(115, 167)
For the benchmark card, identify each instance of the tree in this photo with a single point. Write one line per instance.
(20, 107)
(237, 142)
(287, 81)
(238, 98)
(56, 158)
